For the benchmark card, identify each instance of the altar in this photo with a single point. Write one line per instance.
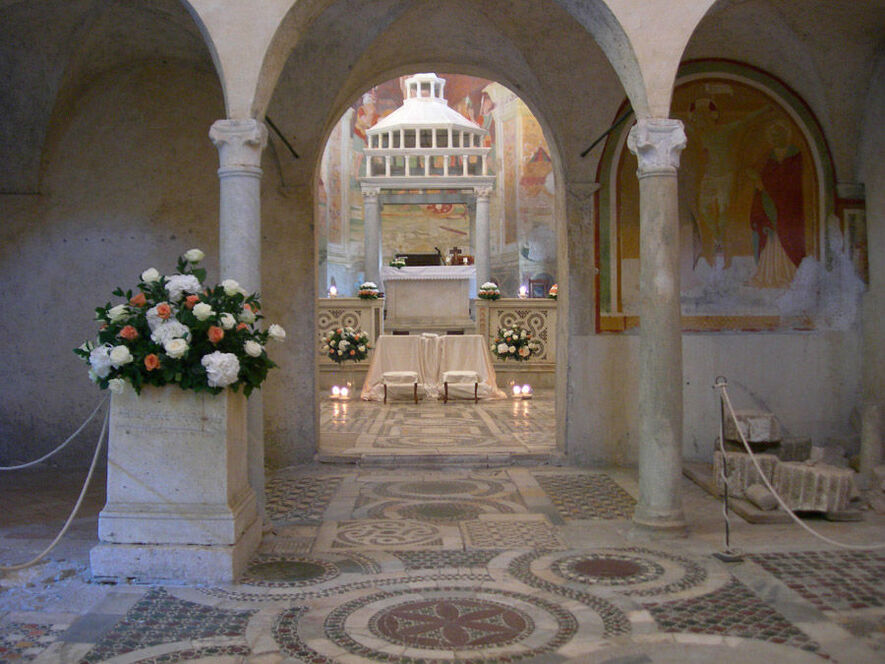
(430, 298)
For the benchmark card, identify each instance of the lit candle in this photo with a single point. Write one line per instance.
(516, 390)
(344, 392)
(526, 389)
(336, 391)
(333, 291)
(523, 292)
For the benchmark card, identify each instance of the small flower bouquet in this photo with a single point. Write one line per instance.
(343, 344)
(175, 330)
(398, 262)
(513, 343)
(489, 291)
(553, 292)
(368, 291)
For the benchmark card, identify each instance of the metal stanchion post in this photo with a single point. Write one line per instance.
(729, 555)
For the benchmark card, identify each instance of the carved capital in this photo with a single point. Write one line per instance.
(239, 143)
(482, 192)
(371, 194)
(657, 144)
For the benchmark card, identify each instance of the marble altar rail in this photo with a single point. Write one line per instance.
(536, 315)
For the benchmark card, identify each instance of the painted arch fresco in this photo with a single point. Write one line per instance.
(755, 192)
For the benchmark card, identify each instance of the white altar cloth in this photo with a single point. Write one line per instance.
(429, 272)
(430, 356)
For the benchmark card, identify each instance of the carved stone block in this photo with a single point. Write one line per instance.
(819, 488)
(757, 426)
(741, 471)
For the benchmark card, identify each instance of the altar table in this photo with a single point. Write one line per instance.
(430, 356)
(429, 298)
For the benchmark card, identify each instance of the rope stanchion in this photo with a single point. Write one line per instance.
(726, 401)
(62, 446)
(42, 554)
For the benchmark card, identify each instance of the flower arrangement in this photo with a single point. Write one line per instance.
(174, 330)
(553, 292)
(398, 262)
(344, 344)
(513, 343)
(489, 291)
(368, 291)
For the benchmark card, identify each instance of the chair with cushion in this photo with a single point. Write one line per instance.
(462, 379)
(396, 382)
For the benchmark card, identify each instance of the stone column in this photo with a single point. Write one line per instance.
(482, 250)
(372, 233)
(657, 143)
(240, 143)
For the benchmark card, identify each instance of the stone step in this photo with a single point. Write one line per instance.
(480, 460)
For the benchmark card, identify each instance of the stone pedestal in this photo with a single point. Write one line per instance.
(179, 505)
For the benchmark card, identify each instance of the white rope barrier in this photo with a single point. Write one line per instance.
(42, 554)
(720, 385)
(60, 447)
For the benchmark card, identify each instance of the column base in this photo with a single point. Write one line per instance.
(653, 524)
(175, 563)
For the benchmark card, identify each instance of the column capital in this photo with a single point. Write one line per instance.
(239, 143)
(482, 192)
(657, 144)
(370, 193)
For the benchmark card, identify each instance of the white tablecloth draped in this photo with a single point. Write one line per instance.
(430, 356)
(429, 272)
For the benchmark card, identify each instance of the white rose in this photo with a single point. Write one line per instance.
(341, 352)
(168, 330)
(194, 255)
(230, 286)
(120, 355)
(178, 284)
(100, 360)
(228, 321)
(333, 343)
(175, 348)
(522, 335)
(512, 349)
(362, 349)
(116, 385)
(502, 348)
(203, 311)
(118, 313)
(523, 352)
(276, 332)
(246, 316)
(222, 369)
(150, 275)
(252, 348)
(344, 343)
(325, 348)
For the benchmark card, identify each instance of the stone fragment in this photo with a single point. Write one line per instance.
(793, 449)
(761, 497)
(879, 475)
(741, 471)
(817, 488)
(756, 425)
(831, 455)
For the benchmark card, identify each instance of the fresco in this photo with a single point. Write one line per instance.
(750, 209)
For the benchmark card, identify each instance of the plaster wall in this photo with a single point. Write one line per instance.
(809, 380)
(102, 219)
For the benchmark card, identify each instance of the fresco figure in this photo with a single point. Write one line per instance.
(719, 143)
(777, 212)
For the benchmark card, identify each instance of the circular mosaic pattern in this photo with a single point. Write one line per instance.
(440, 512)
(387, 533)
(288, 571)
(451, 623)
(430, 489)
(628, 571)
(613, 569)
(433, 624)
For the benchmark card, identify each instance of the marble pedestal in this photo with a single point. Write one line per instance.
(179, 505)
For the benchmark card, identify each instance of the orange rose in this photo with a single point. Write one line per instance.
(151, 362)
(353, 352)
(164, 311)
(242, 326)
(191, 300)
(248, 307)
(129, 333)
(138, 300)
(215, 333)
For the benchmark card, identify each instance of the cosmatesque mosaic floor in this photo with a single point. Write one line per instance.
(511, 564)
(402, 430)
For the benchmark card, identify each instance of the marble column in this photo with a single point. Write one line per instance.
(657, 144)
(483, 244)
(372, 233)
(240, 144)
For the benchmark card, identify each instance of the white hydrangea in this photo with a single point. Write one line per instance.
(100, 360)
(168, 330)
(178, 284)
(222, 369)
(502, 348)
